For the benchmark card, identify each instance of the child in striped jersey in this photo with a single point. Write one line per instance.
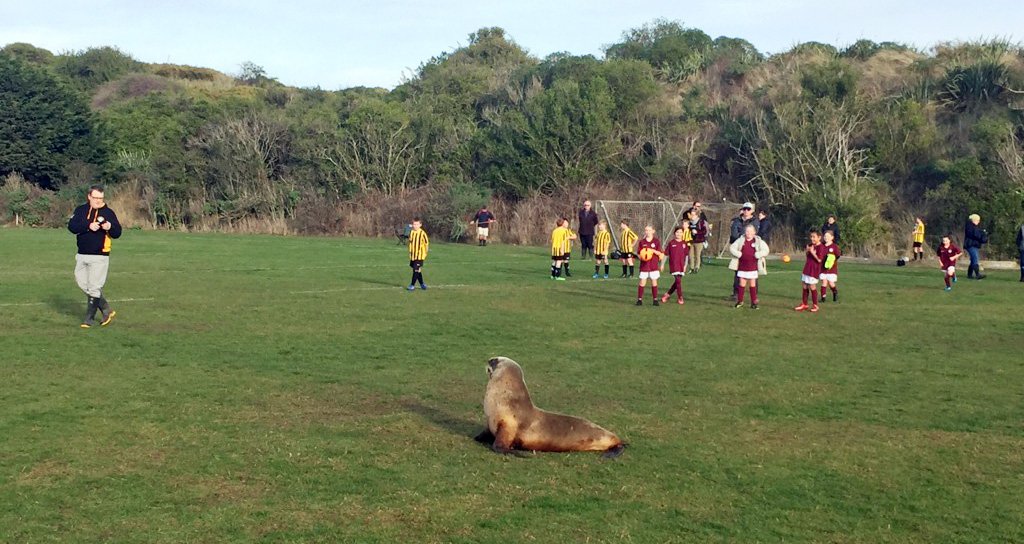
(602, 244)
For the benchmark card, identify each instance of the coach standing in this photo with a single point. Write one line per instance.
(95, 225)
(736, 230)
(974, 238)
(587, 223)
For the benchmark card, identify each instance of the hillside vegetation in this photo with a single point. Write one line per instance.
(875, 133)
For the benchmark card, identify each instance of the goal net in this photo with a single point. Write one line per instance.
(665, 215)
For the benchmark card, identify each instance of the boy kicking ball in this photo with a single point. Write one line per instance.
(650, 254)
(815, 252)
(948, 254)
(830, 268)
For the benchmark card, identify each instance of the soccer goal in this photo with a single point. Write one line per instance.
(665, 215)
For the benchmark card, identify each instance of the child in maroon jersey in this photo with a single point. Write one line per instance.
(830, 267)
(815, 252)
(948, 254)
(677, 252)
(650, 262)
(748, 253)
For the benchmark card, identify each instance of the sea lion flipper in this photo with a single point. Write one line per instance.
(485, 437)
(614, 451)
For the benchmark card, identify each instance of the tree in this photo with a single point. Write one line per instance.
(44, 125)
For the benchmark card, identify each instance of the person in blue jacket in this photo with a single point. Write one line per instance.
(974, 238)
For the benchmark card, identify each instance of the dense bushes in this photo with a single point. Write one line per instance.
(874, 132)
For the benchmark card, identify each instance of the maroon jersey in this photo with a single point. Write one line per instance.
(654, 262)
(813, 266)
(748, 262)
(832, 250)
(946, 255)
(677, 253)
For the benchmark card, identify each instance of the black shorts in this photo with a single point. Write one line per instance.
(562, 257)
(628, 256)
(599, 256)
(416, 265)
(917, 244)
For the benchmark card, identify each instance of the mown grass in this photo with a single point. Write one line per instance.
(286, 389)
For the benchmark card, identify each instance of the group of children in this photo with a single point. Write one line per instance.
(821, 266)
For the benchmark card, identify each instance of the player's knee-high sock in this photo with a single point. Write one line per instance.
(805, 295)
(753, 294)
(419, 276)
(679, 287)
(675, 284)
(639, 292)
(823, 290)
(597, 269)
(835, 293)
(632, 269)
(553, 269)
(739, 294)
(624, 270)
(814, 297)
(654, 291)
(947, 277)
(606, 269)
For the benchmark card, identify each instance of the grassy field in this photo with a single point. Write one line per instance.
(274, 389)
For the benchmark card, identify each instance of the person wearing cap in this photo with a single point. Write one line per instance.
(974, 238)
(830, 224)
(736, 230)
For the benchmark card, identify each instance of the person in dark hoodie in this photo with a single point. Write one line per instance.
(974, 238)
(95, 225)
(830, 224)
(1020, 248)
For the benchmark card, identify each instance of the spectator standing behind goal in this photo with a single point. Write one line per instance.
(830, 224)
(974, 238)
(602, 244)
(587, 221)
(1020, 248)
(94, 225)
(764, 228)
(419, 244)
(483, 220)
(627, 239)
(736, 231)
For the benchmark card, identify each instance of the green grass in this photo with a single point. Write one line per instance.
(259, 388)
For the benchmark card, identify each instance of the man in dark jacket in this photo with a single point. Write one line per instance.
(830, 224)
(736, 229)
(765, 228)
(1020, 248)
(974, 238)
(95, 225)
(587, 223)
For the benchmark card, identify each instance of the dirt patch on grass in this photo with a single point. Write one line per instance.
(45, 473)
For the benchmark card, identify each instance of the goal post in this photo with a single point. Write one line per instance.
(664, 215)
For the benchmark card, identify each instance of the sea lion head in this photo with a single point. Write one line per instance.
(500, 367)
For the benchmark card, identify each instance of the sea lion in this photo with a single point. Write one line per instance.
(514, 423)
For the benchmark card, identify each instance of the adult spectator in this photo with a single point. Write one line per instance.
(830, 224)
(1020, 248)
(764, 230)
(699, 235)
(95, 225)
(974, 238)
(587, 223)
(736, 230)
(483, 219)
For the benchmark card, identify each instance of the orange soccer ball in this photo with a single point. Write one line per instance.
(785, 258)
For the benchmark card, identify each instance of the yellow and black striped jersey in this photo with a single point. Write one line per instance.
(919, 233)
(569, 234)
(628, 239)
(418, 245)
(559, 239)
(602, 242)
(687, 236)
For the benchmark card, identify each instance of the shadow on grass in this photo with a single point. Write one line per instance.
(451, 423)
(65, 305)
